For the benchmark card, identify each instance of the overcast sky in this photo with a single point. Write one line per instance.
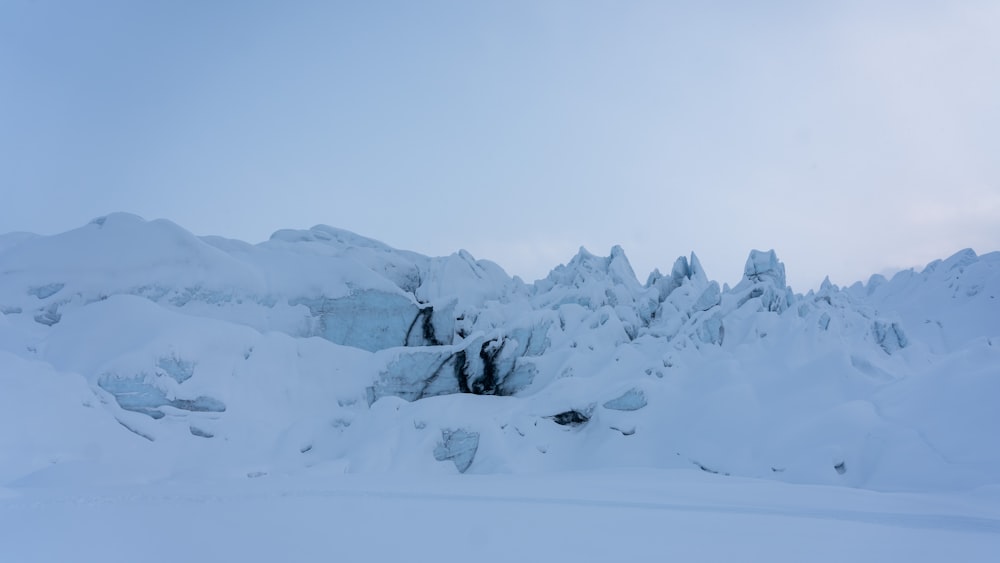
(851, 137)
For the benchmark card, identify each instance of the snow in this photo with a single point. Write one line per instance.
(319, 390)
(622, 515)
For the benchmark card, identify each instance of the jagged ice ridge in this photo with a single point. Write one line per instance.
(132, 348)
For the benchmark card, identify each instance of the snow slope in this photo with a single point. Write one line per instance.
(132, 351)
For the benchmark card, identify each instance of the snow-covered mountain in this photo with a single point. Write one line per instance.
(134, 350)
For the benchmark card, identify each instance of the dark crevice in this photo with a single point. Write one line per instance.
(413, 323)
(460, 374)
(488, 384)
(570, 418)
(425, 316)
(428, 327)
(709, 469)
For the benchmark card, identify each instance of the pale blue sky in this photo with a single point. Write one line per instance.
(852, 137)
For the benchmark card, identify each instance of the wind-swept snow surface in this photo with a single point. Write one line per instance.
(135, 354)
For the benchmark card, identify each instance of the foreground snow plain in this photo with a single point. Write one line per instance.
(611, 515)
(165, 396)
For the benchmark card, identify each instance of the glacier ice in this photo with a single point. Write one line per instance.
(178, 369)
(140, 395)
(272, 350)
(459, 446)
(370, 320)
(764, 267)
(631, 400)
(47, 290)
(889, 336)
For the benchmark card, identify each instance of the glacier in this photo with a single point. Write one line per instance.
(133, 349)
